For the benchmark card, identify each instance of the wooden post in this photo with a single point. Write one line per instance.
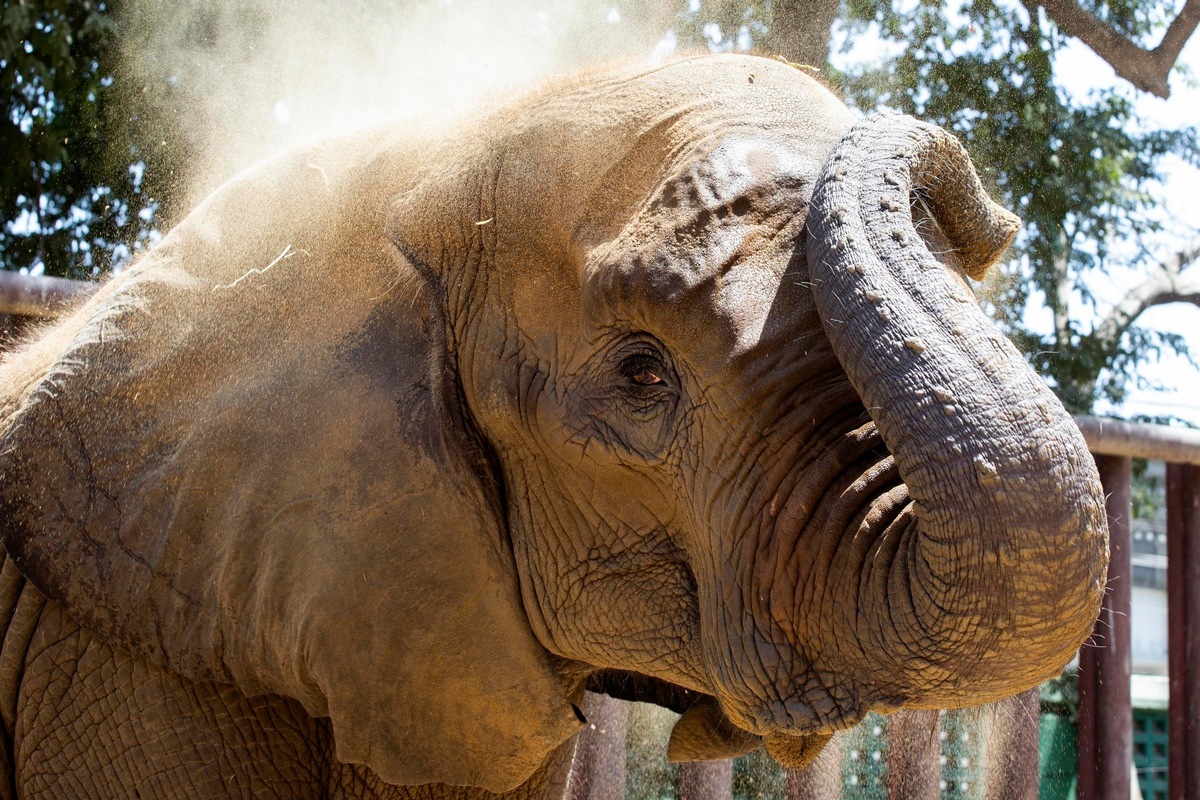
(820, 780)
(914, 749)
(706, 780)
(39, 295)
(1105, 660)
(1183, 630)
(1012, 768)
(599, 769)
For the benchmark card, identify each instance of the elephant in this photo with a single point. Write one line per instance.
(663, 381)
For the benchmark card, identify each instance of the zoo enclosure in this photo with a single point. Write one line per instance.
(1105, 664)
(1105, 728)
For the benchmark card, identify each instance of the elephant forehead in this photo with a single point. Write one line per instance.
(585, 155)
(740, 173)
(705, 255)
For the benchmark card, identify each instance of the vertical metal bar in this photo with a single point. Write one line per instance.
(1189, 505)
(706, 780)
(1183, 630)
(1177, 627)
(1105, 663)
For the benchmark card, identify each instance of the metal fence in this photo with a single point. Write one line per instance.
(991, 752)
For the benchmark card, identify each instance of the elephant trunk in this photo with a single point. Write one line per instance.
(994, 574)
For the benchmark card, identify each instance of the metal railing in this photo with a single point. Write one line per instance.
(915, 770)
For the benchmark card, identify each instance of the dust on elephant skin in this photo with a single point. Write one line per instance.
(653, 382)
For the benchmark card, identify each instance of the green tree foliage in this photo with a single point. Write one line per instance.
(85, 168)
(1083, 172)
(94, 161)
(112, 126)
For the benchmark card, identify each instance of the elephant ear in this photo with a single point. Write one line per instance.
(244, 461)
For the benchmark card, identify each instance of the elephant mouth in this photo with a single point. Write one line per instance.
(704, 732)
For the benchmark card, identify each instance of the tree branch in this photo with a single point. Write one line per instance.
(1145, 69)
(1166, 284)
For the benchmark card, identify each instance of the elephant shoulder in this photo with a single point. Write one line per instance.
(21, 606)
(94, 721)
(84, 719)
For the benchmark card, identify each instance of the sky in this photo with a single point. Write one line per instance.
(1080, 71)
(1174, 383)
(1171, 383)
(249, 101)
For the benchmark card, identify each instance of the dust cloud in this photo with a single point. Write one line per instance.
(234, 81)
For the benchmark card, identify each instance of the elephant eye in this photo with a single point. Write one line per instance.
(638, 396)
(644, 370)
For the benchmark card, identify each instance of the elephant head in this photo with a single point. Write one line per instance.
(667, 377)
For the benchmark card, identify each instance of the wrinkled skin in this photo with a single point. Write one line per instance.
(650, 383)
